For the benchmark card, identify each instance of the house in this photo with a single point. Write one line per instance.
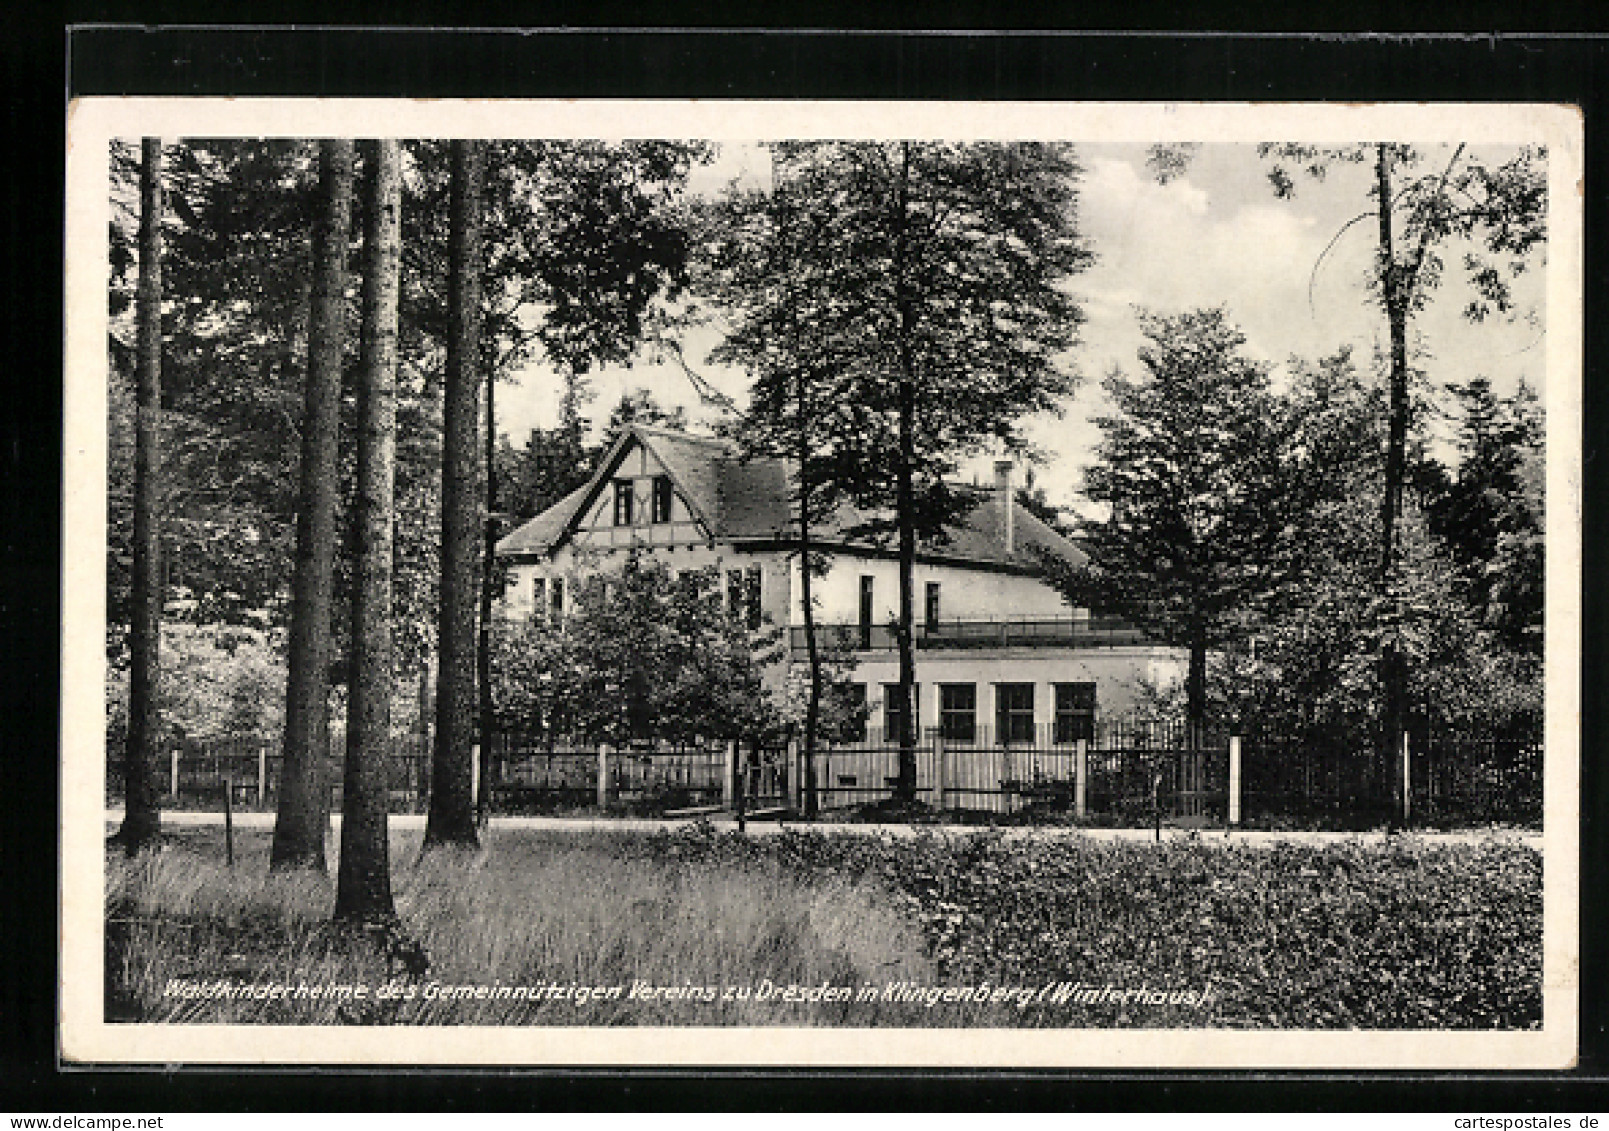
(998, 651)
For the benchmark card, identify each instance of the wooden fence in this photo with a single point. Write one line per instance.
(1329, 780)
(1119, 771)
(195, 773)
(1122, 772)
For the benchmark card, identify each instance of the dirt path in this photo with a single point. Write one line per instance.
(416, 821)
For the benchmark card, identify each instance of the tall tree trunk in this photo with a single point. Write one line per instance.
(427, 714)
(142, 814)
(1196, 689)
(812, 648)
(299, 830)
(904, 499)
(363, 890)
(452, 801)
(803, 437)
(1394, 288)
(488, 583)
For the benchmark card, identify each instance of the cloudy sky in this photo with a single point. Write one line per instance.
(1215, 236)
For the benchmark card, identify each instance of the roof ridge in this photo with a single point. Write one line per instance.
(677, 433)
(745, 498)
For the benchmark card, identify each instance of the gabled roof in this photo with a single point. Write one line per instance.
(747, 501)
(543, 532)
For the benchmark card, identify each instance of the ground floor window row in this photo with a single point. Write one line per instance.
(1014, 719)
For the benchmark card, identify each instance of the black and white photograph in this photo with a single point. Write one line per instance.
(989, 584)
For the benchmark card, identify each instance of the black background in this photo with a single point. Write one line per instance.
(1539, 59)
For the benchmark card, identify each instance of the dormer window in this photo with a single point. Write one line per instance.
(662, 497)
(623, 503)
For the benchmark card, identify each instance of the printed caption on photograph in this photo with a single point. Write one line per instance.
(1055, 993)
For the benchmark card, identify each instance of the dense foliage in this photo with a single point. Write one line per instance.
(1247, 516)
(1489, 512)
(1198, 498)
(643, 654)
(1309, 659)
(1397, 935)
(217, 681)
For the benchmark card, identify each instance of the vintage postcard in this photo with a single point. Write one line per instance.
(993, 585)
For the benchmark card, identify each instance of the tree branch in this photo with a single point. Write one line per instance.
(1312, 278)
(1411, 281)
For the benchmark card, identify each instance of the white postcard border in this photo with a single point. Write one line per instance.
(85, 1037)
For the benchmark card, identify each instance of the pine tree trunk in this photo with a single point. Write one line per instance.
(488, 583)
(303, 817)
(142, 814)
(363, 891)
(452, 802)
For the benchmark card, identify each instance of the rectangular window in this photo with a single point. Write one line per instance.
(539, 598)
(865, 612)
(1014, 712)
(751, 597)
(930, 607)
(1075, 712)
(662, 497)
(734, 593)
(623, 502)
(891, 711)
(958, 712)
(556, 602)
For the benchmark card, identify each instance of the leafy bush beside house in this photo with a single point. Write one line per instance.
(643, 654)
(844, 712)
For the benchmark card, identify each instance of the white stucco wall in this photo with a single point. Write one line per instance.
(964, 594)
(574, 563)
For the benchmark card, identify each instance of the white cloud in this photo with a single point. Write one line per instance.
(1215, 236)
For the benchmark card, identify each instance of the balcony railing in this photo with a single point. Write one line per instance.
(954, 635)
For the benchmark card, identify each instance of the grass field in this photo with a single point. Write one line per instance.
(698, 928)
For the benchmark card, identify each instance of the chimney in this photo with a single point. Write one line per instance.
(1002, 490)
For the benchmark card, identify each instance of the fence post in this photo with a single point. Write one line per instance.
(792, 768)
(729, 773)
(1234, 781)
(229, 819)
(262, 775)
(1081, 778)
(603, 775)
(940, 766)
(173, 773)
